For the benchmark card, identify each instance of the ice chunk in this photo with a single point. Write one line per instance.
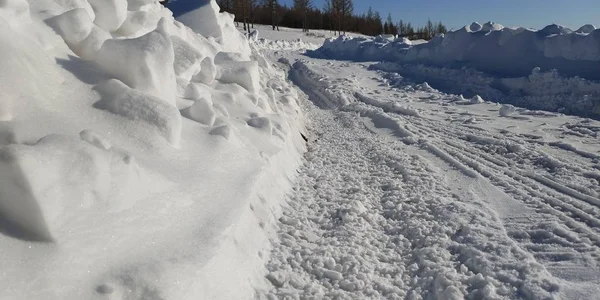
(110, 14)
(135, 105)
(144, 63)
(245, 74)
(201, 111)
(506, 110)
(44, 185)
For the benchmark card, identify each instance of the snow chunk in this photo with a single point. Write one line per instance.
(244, 73)
(91, 46)
(43, 185)
(73, 26)
(208, 22)
(135, 105)
(223, 130)
(134, 22)
(187, 58)
(476, 99)
(208, 72)
(262, 123)
(506, 110)
(110, 14)
(201, 111)
(144, 63)
(196, 91)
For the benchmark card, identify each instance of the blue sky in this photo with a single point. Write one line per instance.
(457, 13)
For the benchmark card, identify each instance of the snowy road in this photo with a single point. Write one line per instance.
(407, 193)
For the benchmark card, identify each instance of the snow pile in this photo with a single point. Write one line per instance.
(296, 45)
(489, 47)
(540, 90)
(145, 156)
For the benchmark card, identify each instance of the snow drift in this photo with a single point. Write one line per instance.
(139, 158)
(490, 47)
(551, 69)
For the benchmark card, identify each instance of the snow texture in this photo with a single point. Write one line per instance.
(515, 51)
(454, 202)
(128, 168)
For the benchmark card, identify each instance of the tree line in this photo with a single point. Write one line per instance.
(337, 16)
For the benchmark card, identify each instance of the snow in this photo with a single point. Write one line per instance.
(128, 166)
(506, 110)
(410, 192)
(144, 159)
(515, 51)
(110, 15)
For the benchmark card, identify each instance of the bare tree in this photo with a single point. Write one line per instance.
(273, 6)
(302, 6)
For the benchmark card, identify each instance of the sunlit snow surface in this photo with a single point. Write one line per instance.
(139, 158)
(409, 192)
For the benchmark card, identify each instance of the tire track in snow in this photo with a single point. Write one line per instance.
(370, 221)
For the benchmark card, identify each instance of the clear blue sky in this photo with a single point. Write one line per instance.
(457, 13)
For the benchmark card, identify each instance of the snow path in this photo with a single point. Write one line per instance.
(401, 202)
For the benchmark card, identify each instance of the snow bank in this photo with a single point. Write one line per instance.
(490, 47)
(540, 90)
(296, 45)
(139, 158)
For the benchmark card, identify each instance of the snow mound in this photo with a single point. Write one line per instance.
(501, 51)
(144, 63)
(138, 106)
(86, 86)
(507, 110)
(59, 177)
(540, 90)
(296, 45)
(208, 22)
